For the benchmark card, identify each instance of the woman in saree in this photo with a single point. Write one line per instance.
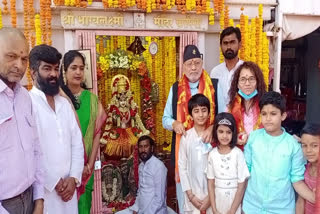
(91, 117)
(246, 89)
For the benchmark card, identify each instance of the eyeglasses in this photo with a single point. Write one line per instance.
(251, 80)
(196, 63)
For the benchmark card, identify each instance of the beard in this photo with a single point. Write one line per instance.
(46, 87)
(230, 54)
(145, 156)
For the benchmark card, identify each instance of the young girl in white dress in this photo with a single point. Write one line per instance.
(227, 170)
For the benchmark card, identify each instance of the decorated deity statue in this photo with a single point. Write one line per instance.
(123, 125)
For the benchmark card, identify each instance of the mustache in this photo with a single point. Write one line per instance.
(52, 78)
(143, 153)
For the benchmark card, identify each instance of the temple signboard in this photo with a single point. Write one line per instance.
(128, 20)
(96, 20)
(190, 22)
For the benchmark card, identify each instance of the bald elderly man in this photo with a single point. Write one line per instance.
(21, 171)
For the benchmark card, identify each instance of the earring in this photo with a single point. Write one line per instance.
(64, 77)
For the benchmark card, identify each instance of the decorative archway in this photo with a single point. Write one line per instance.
(86, 39)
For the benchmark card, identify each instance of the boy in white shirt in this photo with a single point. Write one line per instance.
(193, 158)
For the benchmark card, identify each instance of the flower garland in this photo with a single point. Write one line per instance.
(1, 25)
(243, 32)
(38, 29)
(48, 22)
(5, 7)
(147, 112)
(119, 59)
(114, 190)
(13, 13)
(120, 205)
(255, 44)
(200, 6)
(27, 23)
(253, 40)
(265, 59)
(32, 24)
(43, 20)
(221, 22)
(136, 166)
(211, 13)
(26, 19)
(259, 31)
(226, 16)
(231, 22)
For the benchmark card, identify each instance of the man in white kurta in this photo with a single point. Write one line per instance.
(152, 191)
(193, 159)
(59, 135)
(230, 43)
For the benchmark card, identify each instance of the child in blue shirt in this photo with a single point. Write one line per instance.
(275, 161)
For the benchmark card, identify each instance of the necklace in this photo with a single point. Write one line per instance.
(77, 95)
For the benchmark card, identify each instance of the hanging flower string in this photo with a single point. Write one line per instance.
(38, 29)
(5, 7)
(255, 44)
(13, 13)
(1, 25)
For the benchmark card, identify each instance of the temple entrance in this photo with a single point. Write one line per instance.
(132, 75)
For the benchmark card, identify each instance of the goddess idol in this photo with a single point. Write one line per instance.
(123, 124)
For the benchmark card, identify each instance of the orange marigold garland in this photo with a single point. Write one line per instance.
(26, 19)
(221, 22)
(226, 16)
(48, 22)
(13, 13)
(5, 7)
(43, 20)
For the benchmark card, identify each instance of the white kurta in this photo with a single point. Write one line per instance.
(61, 141)
(227, 170)
(225, 76)
(193, 158)
(152, 192)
